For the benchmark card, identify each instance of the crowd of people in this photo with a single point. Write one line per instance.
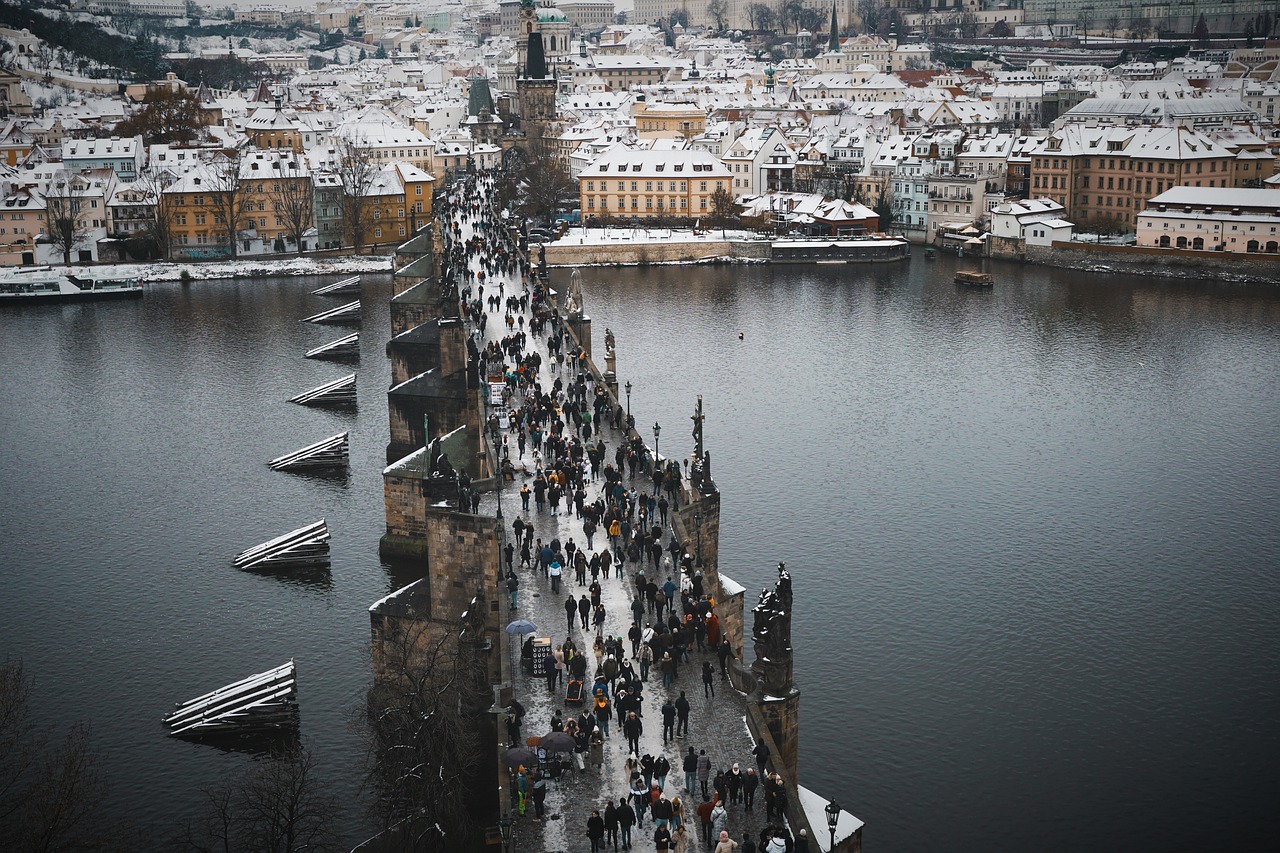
(560, 430)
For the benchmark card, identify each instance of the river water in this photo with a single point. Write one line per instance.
(1033, 531)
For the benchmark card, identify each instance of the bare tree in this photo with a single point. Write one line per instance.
(51, 792)
(159, 228)
(296, 199)
(1084, 21)
(546, 184)
(230, 201)
(1113, 24)
(761, 16)
(64, 225)
(356, 174)
(425, 753)
(723, 209)
(718, 11)
(277, 806)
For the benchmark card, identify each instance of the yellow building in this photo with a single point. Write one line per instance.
(626, 182)
(668, 121)
(399, 202)
(270, 128)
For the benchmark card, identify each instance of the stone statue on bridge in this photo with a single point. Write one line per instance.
(608, 343)
(771, 632)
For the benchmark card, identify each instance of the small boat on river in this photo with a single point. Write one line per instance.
(974, 279)
(46, 284)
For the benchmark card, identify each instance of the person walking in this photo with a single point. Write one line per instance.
(513, 585)
(725, 653)
(626, 820)
(682, 716)
(705, 808)
(596, 748)
(668, 721)
(584, 610)
(539, 795)
(690, 767)
(680, 840)
(704, 770)
(661, 768)
(761, 752)
(662, 839)
(708, 679)
(633, 728)
(668, 669)
(733, 780)
(646, 660)
(725, 844)
(750, 781)
(611, 825)
(554, 571)
(595, 830)
(719, 820)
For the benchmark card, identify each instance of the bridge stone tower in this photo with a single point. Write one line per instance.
(535, 87)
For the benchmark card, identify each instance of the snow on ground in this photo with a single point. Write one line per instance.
(623, 236)
(246, 268)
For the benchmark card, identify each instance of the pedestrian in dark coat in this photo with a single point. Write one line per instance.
(708, 679)
(611, 825)
(595, 830)
(626, 820)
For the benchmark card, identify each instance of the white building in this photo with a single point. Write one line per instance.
(1037, 222)
(1243, 221)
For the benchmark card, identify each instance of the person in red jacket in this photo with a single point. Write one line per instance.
(704, 816)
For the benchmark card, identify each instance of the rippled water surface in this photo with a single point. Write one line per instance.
(1033, 532)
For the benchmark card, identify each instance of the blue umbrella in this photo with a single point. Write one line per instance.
(522, 626)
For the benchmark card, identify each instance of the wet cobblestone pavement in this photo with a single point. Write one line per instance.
(716, 724)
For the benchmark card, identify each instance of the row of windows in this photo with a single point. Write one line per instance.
(1127, 165)
(648, 186)
(648, 204)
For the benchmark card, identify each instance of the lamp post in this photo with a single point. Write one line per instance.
(505, 827)
(833, 817)
(656, 458)
(697, 526)
(628, 390)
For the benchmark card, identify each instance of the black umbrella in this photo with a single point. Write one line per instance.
(518, 755)
(558, 742)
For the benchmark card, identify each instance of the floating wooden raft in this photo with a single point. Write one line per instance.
(306, 546)
(260, 703)
(343, 347)
(339, 288)
(329, 453)
(349, 313)
(338, 392)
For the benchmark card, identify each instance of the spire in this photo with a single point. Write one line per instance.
(833, 44)
(536, 61)
(479, 97)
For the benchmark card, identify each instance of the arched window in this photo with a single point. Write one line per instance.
(1182, 242)
(1197, 243)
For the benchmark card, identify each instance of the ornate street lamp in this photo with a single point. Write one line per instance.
(833, 817)
(628, 388)
(506, 826)
(656, 458)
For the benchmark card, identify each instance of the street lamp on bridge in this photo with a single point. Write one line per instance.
(628, 389)
(657, 460)
(833, 817)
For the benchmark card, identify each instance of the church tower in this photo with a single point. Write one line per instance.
(832, 61)
(535, 87)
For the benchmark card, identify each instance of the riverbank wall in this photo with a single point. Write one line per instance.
(1142, 260)
(643, 252)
